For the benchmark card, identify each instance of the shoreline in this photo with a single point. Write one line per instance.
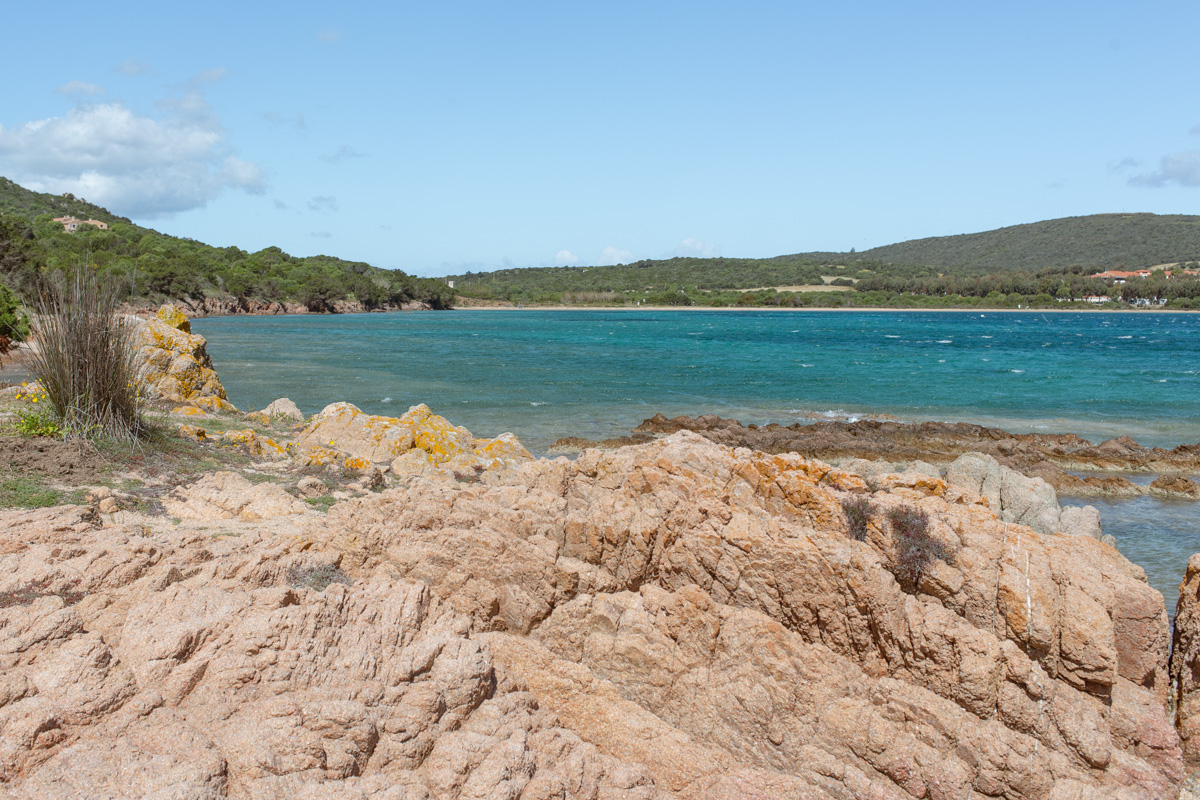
(834, 310)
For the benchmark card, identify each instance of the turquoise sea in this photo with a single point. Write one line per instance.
(547, 374)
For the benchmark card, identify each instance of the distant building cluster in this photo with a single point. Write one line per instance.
(71, 224)
(1119, 276)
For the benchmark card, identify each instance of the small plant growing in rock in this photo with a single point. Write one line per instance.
(913, 548)
(859, 511)
(317, 578)
(33, 590)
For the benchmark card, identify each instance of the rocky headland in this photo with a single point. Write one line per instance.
(369, 607)
(1055, 458)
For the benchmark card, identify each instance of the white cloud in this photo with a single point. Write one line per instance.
(614, 255)
(565, 258)
(131, 67)
(78, 88)
(1181, 169)
(133, 165)
(323, 203)
(692, 247)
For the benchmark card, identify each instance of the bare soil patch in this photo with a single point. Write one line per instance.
(75, 462)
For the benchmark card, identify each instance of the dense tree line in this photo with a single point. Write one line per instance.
(152, 266)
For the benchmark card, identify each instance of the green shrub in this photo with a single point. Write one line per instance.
(913, 548)
(13, 323)
(859, 511)
(37, 423)
(87, 359)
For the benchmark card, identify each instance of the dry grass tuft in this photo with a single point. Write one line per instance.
(87, 357)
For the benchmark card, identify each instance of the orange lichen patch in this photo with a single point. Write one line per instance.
(257, 416)
(193, 432)
(189, 411)
(254, 444)
(505, 447)
(318, 456)
(356, 463)
(214, 404)
(376, 438)
(918, 485)
(171, 315)
(177, 366)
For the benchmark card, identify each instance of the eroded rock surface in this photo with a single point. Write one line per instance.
(676, 619)
(176, 362)
(1053, 457)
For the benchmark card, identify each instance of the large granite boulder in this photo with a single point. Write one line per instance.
(1013, 496)
(176, 364)
(415, 443)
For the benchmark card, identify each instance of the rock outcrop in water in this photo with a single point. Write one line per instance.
(1051, 457)
(176, 362)
(677, 619)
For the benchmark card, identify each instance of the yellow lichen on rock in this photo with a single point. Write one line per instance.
(171, 315)
(416, 440)
(193, 432)
(189, 411)
(176, 363)
(254, 444)
(214, 404)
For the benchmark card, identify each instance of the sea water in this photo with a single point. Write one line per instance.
(598, 373)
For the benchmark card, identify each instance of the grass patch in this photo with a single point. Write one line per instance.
(24, 491)
(322, 503)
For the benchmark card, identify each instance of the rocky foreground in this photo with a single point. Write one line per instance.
(1053, 457)
(673, 619)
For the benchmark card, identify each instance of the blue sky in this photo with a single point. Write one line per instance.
(445, 137)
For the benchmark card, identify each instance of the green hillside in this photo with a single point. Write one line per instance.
(1100, 240)
(153, 267)
(1049, 260)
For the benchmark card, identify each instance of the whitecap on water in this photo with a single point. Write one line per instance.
(1017, 371)
(945, 341)
(535, 403)
(386, 400)
(1124, 337)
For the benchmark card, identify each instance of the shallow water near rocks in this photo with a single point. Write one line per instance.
(596, 374)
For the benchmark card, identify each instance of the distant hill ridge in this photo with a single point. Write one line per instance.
(1099, 240)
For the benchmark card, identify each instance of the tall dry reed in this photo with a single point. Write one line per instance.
(87, 357)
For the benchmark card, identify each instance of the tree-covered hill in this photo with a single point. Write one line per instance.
(1037, 258)
(153, 267)
(1100, 240)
